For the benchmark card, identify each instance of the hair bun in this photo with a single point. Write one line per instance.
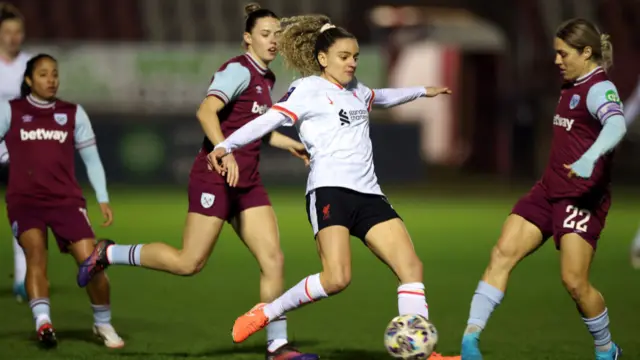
(251, 7)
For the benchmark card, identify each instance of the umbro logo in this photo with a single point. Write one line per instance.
(344, 118)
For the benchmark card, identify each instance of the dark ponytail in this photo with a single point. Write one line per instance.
(25, 89)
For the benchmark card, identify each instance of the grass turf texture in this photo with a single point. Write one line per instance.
(162, 316)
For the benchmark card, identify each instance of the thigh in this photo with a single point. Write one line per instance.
(576, 256)
(200, 236)
(69, 225)
(24, 218)
(334, 249)
(328, 207)
(536, 208)
(582, 216)
(34, 243)
(207, 199)
(369, 211)
(519, 237)
(390, 242)
(258, 229)
(247, 198)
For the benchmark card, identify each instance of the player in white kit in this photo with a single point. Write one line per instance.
(632, 111)
(12, 65)
(331, 113)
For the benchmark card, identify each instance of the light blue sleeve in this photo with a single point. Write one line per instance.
(95, 172)
(5, 118)
(86, 144)
(83, 133)
(229, 83)
(610, 136)
(604, 102)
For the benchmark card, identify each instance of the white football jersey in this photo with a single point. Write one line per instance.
(333, 124)
(11, 74)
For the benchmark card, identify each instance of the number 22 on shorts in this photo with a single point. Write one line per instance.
(577, 218)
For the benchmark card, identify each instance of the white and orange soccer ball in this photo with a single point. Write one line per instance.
(410, 337)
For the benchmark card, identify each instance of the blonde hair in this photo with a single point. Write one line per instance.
(298, 41)
(607, 51)
(580, 33)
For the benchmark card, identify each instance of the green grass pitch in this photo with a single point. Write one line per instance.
(162, 316)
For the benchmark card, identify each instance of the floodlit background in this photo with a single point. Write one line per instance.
(452, 167)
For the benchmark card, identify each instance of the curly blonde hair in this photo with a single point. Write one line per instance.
(297, 44)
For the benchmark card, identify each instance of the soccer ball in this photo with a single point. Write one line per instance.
(410, 337)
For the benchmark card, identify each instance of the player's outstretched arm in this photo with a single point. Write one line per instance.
(390, 97)
(254, 130)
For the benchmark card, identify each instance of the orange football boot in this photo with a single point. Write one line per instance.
(250, 323)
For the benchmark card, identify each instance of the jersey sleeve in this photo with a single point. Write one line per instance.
(296, 103)
(368, 94)
(5, 118)
(603, 101)
(391, 97)
(83, 133)
(229, 83)
(254, 130)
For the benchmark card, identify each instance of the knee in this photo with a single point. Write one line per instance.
(504, 258)
(271, 262)
(575, 283)
(189, 266)
(337, 278)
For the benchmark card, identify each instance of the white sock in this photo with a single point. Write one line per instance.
(277, 334)
(124, 254)
(306, 291)
(101, 314)
(19, 263)
(41, 311)
(411, 300)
